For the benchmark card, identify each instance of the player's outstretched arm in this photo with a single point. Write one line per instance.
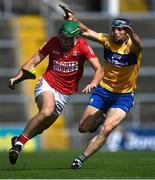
(99, 72)
(86, 31)
(27, 70)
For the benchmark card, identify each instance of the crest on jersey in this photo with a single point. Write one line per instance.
(75, 53)
(91, 100)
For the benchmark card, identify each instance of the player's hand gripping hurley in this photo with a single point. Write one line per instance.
(66, 10)
(25, 75)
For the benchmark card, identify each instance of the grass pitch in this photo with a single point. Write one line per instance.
(56, 165)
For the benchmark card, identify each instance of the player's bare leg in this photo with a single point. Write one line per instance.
(44, 118)
(90, 119)
(41, 121)
(114, 117)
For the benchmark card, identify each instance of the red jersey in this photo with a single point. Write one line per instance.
(65, 68)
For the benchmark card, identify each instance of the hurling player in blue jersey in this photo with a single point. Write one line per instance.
(114, 95)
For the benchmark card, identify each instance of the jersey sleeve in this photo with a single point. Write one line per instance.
(44, 50)
(102, 37)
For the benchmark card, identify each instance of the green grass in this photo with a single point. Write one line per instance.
(56, 165)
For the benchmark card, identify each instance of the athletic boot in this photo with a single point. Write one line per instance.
(76, 164)
(14, 151)
(100, 121)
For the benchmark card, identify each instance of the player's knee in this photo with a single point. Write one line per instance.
(107, 129)
(85, 126)
(82, 128)
(46, 113)
(40, 132)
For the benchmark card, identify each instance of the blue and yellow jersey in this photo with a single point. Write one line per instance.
(121, 65)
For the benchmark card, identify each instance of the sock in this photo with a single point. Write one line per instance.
(82, 158)
(21, 140)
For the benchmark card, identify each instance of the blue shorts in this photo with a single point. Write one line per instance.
(104, 100)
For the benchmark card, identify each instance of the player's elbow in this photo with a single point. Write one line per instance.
(81, 130)
(101, 69)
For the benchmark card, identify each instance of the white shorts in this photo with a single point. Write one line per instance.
(60, 99)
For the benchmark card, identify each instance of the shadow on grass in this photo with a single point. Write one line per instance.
(47, 168)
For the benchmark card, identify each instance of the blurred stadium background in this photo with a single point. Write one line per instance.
(25, 25)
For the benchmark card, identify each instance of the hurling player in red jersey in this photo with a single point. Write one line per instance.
(67, 53)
